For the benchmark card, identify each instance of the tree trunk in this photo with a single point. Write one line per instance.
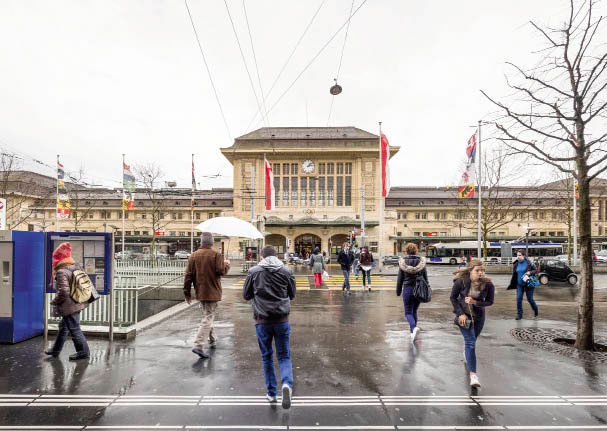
(585, 334)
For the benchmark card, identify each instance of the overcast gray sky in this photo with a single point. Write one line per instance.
(94, 79)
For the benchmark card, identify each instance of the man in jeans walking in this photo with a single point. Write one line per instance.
(204, 270)
(345, 259)
(271, 286)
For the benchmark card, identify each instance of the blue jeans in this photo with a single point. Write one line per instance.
(368, 274)
(355, 267)
(470, 336)
(411, 306)
(279, 332)
(71, 325)
(346, 284)
(519, 300)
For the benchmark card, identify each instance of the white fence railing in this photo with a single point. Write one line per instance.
(167, 272)
(125, 292)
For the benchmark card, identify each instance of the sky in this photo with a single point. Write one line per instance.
(91, 80)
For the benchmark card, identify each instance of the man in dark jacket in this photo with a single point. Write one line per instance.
(345, 259)
(271, 286)
(204, 271)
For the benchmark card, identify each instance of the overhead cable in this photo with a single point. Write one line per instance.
(284, 66)
(315, 57)
(263, 99)
(225, 122)
(340, 61)
(264, 118)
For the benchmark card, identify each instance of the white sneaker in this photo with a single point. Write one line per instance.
(414, 333)
(271, 398)
(474, 381)
(286, 396)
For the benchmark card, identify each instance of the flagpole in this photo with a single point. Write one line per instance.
(123, 198)
(480, 191)
(192, 208)
(381, 204)
(57, 199)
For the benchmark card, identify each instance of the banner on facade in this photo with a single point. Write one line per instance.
(385, 166)
(63, 200)
(128, 187)
(467, 183)
(269, 189)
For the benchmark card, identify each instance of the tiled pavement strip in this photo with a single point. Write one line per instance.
(335, 282)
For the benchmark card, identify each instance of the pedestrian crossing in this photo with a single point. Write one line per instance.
(335, 282)
(302, 282)
(378, 282)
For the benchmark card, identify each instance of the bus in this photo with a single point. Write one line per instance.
(451, 252)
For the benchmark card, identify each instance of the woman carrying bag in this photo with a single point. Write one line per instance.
(471, 293)
(366, 262)
(522, 270)
(318, 267)
(410, 267)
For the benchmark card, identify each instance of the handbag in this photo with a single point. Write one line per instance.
(325, 276)
(532, 281)
(421, 290)
(469, 322)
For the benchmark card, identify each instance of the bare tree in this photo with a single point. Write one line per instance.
(502, 203)
(81, 198)
(556, 116)
(150, 177)
(17, 189)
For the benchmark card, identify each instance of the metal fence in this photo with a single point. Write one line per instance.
(125, 293)
(165, 272)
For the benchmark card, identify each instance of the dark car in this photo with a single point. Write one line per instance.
(555, 270)
(391, 260)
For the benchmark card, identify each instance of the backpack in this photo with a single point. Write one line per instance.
(82, 289)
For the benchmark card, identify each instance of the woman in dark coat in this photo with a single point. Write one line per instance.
(410, 267)
(520, 268)
(471, 293)
(65, 306)
(365, 262)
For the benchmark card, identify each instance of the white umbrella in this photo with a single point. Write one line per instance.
(230, 227)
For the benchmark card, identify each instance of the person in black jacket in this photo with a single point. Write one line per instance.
(521, 269)
(345, 259)
(471, 293)
(271, 286)
(410, 267)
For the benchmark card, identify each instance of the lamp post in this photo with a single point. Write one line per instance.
(527, 232)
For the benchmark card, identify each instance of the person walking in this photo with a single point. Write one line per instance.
(318, 265)
(356, 255)
(410, 267)
(366, 263)
(345, 259)
(271, 286)
(472, 292)
(64, 306)
(204, 270)
(522, 268)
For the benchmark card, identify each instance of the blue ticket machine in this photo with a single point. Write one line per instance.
(21, 285)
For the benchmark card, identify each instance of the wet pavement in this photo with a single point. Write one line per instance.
(354, 366)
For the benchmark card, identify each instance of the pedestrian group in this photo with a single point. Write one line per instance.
(271, 287)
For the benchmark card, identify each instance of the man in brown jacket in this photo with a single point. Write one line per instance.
(204, 271)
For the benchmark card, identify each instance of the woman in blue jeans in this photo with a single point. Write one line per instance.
(410, 267)
(521, 269)
(471, 293)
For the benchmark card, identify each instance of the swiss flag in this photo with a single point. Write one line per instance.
(385, 166)
(269, 177)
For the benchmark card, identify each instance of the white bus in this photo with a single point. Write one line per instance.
(451, 252)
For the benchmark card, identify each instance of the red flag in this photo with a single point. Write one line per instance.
(385, 166)
(269, 176)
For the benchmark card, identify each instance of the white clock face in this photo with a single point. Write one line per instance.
(307, 166)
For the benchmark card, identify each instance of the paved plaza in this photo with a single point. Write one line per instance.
(354, 368)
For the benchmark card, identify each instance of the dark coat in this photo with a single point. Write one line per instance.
(513, 280)
(410, 267)
(271, 289)
(345, 259)
(366, 259)
(63, 302)
(460, 290)
(204, 270)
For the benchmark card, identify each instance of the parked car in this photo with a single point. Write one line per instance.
(182, 254)
(123, 255)
(555, 270)
(391, 260)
